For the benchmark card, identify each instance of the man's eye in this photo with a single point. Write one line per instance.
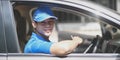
(51, 21)
(42, 22)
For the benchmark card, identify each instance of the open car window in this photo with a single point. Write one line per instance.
(100, 36)
(95, 32)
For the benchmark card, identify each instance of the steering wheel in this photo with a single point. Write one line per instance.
(93, 47)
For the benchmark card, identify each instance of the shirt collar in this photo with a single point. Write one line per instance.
(38, 36)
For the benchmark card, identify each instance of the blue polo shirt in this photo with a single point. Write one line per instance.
(37, 44)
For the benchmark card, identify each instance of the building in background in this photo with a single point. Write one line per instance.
(108, 3)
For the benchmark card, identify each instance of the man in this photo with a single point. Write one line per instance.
(43, 23)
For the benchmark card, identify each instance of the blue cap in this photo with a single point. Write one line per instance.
(42, 13)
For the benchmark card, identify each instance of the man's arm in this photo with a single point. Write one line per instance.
(65, 47)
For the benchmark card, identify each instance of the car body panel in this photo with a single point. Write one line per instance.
(68, 57)
(3, 56)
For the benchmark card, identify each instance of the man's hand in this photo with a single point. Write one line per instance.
(77, 39)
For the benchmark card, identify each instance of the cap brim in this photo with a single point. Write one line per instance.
(53, 17)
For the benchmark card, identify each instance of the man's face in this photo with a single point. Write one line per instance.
(45, 27)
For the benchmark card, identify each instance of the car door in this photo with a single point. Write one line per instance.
(82, 13)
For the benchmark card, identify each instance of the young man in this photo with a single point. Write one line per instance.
(43, 23)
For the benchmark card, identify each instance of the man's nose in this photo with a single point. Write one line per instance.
(48, 24)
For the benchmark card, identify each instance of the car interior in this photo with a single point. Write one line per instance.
(98, 36)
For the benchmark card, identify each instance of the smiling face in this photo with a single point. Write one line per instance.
(45, 27)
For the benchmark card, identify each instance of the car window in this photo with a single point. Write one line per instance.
(89, 28)
(99, 36)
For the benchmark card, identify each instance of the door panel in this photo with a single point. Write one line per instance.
(69, 57)
(3, 56)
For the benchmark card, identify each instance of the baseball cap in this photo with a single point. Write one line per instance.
(42, 13)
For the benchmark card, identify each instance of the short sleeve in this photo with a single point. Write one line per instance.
(41, 47)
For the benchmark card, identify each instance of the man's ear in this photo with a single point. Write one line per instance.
(34, 24)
